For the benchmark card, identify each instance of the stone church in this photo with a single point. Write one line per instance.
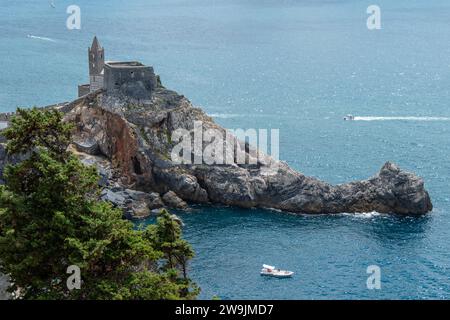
(127, 79)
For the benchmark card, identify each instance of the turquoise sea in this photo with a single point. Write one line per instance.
(296, 65)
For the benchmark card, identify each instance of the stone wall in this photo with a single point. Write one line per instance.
(96, 56)
(96, 83)
(130, 79)
(4, 117)
(63, 107)
(83, 89)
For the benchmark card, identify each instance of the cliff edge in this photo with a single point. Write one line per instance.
(131, 144)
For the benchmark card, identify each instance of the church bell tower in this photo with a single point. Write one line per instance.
(96, 65)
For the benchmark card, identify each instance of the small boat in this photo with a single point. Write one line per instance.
(349, 117)
(274, 272)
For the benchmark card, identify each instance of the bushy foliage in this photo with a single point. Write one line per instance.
(51, 218)
(166, 238)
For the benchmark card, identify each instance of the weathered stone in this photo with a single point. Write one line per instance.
(89, 146)
(4, 284)
(115, 198)
(140, 210)
(155, 201)
(173, 201)
(130, 79)
(135, 204)
(137, 142)
(177, 219)
(142, 203)
(185, 184)
(102, 165)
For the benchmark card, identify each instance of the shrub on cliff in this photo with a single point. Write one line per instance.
(165, 236)
(50, 219)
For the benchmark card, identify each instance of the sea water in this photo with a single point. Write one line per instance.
(294, 65)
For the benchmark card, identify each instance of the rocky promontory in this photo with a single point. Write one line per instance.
(131, 143)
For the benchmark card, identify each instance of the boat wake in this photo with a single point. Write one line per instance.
(371, 118)
(41, 38)
(225, 115)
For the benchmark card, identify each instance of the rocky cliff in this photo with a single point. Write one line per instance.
(4, 284)
(131, 145)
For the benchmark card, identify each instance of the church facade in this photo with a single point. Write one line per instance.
(129, 79)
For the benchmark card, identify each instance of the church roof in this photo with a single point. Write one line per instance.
(95, 44)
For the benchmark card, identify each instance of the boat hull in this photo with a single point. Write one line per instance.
(278, 275)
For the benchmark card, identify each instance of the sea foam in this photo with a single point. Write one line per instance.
(409, 118)
(41, 38)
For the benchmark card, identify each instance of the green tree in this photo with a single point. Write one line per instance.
(166, 237)
(35, 128)
(50, 218)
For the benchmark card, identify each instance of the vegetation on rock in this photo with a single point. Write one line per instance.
(51, 218)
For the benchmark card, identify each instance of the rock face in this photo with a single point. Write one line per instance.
(131, 146)
(135, 204)
(173, 201)
(137, 141)
(4, 284)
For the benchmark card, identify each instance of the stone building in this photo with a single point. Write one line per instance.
(130, 79)
(96, 56)
(96, 64)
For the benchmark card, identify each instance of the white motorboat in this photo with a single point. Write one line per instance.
(349, 117)
(274, 272)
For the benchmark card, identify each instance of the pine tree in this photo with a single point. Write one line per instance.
(51, 218)
(166, 237)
